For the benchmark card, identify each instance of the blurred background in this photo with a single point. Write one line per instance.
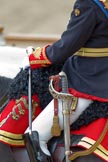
(29, 23)
(35, 16)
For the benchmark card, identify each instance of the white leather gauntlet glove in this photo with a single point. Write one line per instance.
(25, 62)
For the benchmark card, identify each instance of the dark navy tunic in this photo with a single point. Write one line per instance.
(87, 27)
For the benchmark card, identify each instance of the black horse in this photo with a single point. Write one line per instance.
(13, 88)
(4, 86)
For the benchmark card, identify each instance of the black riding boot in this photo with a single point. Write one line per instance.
(6, 154)
(33, 148)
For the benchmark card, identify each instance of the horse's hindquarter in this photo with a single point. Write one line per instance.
(20, 154)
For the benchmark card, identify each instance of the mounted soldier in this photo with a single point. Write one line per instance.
(83, 52)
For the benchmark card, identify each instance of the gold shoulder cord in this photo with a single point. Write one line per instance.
(105, 2)
(93, 147)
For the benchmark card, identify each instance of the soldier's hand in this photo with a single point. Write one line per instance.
(29, 51)
(38, 57)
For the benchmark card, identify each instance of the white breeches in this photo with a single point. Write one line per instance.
(44, 121)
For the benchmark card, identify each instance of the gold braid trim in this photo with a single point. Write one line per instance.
(92, 52)
(11, 138)
(4, 120)
(100, 150)
(40, 56)
(24, 100)
(17, 111)
(21, 111)
(19, 105)
(44, 54)
(93, 147)
(37, 52)
(35, 104)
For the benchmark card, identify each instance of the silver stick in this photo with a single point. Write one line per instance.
(30, 102)
(29, 50)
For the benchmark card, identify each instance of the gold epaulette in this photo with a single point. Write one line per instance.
(105, 2)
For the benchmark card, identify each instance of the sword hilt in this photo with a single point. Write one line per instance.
(64, 82)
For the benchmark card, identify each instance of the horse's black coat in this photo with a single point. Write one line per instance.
(4, 85)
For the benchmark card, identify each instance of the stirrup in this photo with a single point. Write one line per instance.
(33, 147)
